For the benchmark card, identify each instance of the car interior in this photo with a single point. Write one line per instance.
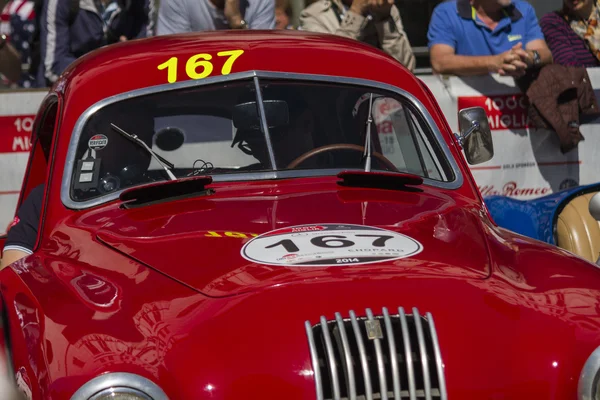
(575, 228)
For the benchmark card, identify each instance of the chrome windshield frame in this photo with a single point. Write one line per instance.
(255, 75)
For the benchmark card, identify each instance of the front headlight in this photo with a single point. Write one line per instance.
(589, 380)
(119, 386)
(120, 394)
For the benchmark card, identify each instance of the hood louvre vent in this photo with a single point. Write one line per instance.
(387, 356)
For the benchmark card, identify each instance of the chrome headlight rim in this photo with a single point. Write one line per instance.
(588, 387)
(125, 381)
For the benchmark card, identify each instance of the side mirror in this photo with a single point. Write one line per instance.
(594, 206)
(245, 115)
(475, 135)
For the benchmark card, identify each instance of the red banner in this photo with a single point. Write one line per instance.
(505, 112)
(15, 133)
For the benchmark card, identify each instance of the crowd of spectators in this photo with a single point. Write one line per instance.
(40, 38)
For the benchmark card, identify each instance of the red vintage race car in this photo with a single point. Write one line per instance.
(279, 215)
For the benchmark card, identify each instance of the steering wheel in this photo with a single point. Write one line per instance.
(341, 146)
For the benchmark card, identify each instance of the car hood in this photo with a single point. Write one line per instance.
(212, 243)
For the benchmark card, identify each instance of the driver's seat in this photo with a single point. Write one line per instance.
(577, 231)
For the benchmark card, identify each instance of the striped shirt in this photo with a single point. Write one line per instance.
(566, 46)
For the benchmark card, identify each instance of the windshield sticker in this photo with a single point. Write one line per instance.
(200, 66)
(97, 142)
(326, 245)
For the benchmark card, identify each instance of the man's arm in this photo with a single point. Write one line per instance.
(55, 38)
(445, 61)
(542, 49)
(10, 256)
(394, 40)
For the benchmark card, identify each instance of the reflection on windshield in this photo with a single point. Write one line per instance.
(217, 129)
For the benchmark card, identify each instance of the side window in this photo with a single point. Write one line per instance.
(431, 165)
(403, 140)
(39, 158)
(41, 141)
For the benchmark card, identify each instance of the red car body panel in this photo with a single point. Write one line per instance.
(162, 290)
(436, 221)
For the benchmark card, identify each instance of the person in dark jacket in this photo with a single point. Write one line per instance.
(66, 35)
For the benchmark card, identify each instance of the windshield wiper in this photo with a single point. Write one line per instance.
(380, 180)
(157, 192)
(167, 166)
(368, 150)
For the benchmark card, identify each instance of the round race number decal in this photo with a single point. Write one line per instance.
(329, 245)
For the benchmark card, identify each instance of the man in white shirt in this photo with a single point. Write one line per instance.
(178, 16)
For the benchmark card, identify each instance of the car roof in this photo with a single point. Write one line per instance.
(136, 64)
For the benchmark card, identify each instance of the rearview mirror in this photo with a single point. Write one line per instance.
(169, 139)
(475, 135)
(594, 206)
(245, 115)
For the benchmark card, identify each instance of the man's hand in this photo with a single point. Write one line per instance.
(527, 56)
(359, 7)
(232, 13)
(380, 9)
(510, 63)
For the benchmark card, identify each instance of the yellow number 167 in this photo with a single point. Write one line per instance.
(199, 66)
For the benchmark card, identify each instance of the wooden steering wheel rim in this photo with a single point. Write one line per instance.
(340, 146)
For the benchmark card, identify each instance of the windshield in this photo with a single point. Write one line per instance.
(217, 130)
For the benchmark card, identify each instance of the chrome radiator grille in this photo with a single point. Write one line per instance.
(388, 356)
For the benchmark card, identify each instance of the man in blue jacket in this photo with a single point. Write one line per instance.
(71, 28)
